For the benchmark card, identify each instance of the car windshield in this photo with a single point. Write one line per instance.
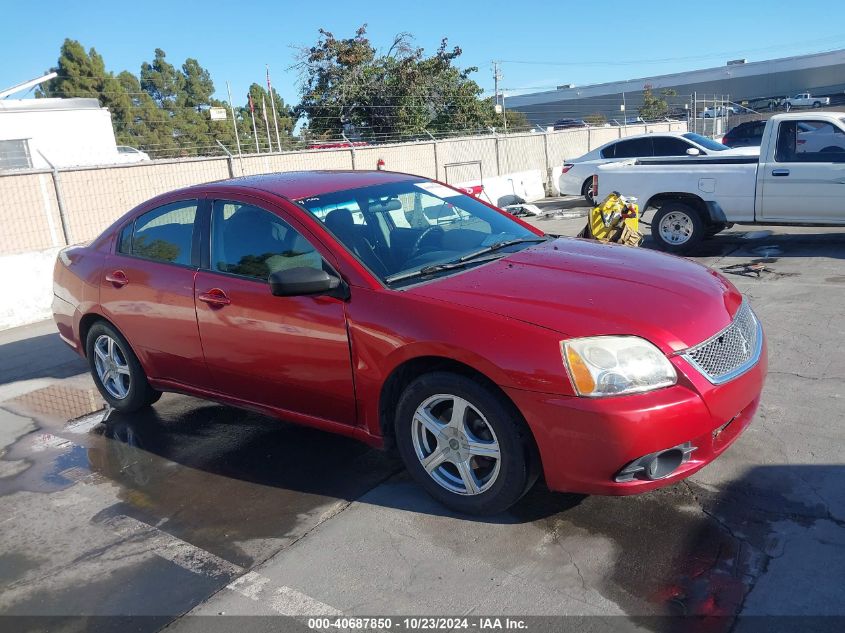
(706, 143)
(412, 229)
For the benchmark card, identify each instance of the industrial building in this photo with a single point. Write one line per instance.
(752, 83)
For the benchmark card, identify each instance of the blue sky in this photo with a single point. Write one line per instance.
(590, 42)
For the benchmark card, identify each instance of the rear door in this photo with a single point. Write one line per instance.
(634, 148)
(147, 290)
(671, 146)
(289, 353)
(806, 180)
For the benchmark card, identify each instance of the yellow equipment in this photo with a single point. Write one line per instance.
(616, 219)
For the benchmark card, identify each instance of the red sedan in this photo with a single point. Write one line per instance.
(400, 311)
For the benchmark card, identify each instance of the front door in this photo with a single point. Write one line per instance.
(147, 289)
(290, 353)
(806, 181)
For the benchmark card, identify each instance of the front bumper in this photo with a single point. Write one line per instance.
(585, 442)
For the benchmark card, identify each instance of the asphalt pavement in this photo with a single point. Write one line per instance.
(197, 508)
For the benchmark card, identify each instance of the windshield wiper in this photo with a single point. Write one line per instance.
(500, 245)
(462, 261)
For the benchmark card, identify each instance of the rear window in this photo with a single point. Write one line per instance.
(707, 143)
(634, 148)
(166, 234)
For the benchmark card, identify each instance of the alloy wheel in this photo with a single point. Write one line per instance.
(456, 445)
(112, 367)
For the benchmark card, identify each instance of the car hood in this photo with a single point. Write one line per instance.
(587, 288)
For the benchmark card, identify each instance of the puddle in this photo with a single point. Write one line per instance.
(757, 235)
(767, 251)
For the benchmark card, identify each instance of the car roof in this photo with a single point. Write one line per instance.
(636, 136)
(295, 185)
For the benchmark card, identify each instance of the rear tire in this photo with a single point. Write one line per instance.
(677, 227)
(479, 462)
(116, 371)
(587, 191)
(817, 104)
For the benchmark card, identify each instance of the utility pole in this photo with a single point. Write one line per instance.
(496, 77)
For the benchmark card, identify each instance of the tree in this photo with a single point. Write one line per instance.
(347, 86)
(163, 82)
(84, 74)
(597, 119)
(654, 107)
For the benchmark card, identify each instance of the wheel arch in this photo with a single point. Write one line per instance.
(86, 323)
(410, 369)
(690, 199)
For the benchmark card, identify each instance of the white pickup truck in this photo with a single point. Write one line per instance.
(805, 100)
(799, 179)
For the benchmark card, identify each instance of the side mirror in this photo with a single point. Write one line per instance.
(693, 151)
(295, 282)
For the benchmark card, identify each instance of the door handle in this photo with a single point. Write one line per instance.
(117, 278)
(780, 172)
(215, 297)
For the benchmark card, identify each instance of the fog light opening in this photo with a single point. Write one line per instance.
(657, 465)
(664, 464)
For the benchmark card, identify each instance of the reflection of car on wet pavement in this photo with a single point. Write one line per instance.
(354, 303)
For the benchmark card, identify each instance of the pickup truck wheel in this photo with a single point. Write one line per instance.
(463, 443)
(677, 227)
(587, 191)
(817, 104)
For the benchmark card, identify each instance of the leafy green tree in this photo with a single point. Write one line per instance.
(346, 86)
(163, 81)
(198, 87)
(84, 74)
(595, 119)
(655, 107)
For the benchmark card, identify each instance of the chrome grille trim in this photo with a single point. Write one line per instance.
(731, 352)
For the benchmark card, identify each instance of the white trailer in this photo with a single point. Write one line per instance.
(38, 133)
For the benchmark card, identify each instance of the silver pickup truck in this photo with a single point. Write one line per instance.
(799, 179)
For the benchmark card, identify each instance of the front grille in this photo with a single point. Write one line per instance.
(732, 351)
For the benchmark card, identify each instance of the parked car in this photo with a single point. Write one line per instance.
(577, 175)
(709, 113)
(484, 350)
(748, 134)
(796, 179)
(565, 124)
(805, 100)
(127, 154)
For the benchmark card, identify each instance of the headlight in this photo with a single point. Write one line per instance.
(615, 365)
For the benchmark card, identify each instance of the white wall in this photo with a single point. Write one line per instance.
(67, 137)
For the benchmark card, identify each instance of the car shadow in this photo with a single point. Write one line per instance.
(254, 474)
(44, 356)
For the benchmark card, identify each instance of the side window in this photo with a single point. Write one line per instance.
(252, 242)
(670, 146)
(124, 239)
(166, 234)
(609, 151)
(810, 142)
(635, 148)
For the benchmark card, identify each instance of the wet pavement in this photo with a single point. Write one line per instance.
(194, 507)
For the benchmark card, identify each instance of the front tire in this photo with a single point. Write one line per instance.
(116, 371)
(464, 443)
(677, 227)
